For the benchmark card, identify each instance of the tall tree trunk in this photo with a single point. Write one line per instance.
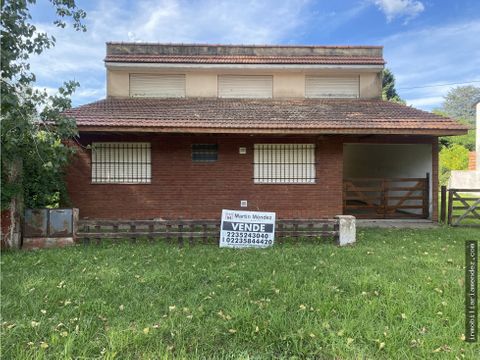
(13, 235)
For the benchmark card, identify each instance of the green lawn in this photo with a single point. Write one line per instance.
(395, 294)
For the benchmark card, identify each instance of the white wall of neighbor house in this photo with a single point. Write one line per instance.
(388, 161)
(286, 84)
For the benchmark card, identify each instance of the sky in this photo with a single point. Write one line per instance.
(431, 46)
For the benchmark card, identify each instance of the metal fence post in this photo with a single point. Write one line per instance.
(443, 203)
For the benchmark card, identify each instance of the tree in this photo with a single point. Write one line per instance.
(467, 141)
(33, 130)
(388, 87)
(460, 103)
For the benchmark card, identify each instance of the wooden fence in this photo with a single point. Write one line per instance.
(462, 208)
(196, 231)
(386, 198)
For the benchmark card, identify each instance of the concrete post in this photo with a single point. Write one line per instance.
(347, 229)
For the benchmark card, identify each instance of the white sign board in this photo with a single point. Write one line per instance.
(242, 229)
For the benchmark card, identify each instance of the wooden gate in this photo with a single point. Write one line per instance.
(463, 207)
(386, 198)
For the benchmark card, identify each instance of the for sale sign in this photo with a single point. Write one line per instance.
(241, 229)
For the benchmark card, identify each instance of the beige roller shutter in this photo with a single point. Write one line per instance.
(163, 86)
(245, 86)
(332, 87)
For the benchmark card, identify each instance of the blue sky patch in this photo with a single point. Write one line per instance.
(427, 43)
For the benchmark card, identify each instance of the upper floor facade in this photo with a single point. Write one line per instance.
(231, 71)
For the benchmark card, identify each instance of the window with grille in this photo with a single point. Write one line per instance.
(284, 164)
(204, 152)
(121, 163)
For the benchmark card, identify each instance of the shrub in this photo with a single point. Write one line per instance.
(454, 157)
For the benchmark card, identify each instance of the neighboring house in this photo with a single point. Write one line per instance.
(189, 130)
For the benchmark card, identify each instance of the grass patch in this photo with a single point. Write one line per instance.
(396, 294)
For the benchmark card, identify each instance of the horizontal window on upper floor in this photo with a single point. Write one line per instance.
(245, 86)
(161, 86)
(332, 86)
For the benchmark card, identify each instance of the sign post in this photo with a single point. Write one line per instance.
(243, 229)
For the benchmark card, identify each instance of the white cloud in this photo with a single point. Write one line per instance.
(425, 102)
(79, 56)
(326, 23)
(433, 56)
(400, 8)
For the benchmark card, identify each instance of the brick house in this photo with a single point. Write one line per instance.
(188, 130)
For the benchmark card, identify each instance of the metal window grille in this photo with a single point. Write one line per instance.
(284, 164)
(204, 152)
(121, 163)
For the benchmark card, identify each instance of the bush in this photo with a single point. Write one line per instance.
(454, 157)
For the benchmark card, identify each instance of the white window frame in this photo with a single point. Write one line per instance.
(121, 163)
(292, 163)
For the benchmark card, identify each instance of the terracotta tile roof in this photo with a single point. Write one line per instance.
(238, 59)
(320, 116)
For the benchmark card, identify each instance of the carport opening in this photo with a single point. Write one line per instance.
(387, 181)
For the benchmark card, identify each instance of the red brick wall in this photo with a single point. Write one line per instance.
(472, 155)
(183, 189)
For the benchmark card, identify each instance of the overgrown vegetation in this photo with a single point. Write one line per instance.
(454, 157)
(459, 104)
(395, 294)
(33, 131)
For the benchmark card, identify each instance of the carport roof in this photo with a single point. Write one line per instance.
(254, 116)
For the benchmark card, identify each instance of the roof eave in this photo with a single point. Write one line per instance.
(266, 131)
